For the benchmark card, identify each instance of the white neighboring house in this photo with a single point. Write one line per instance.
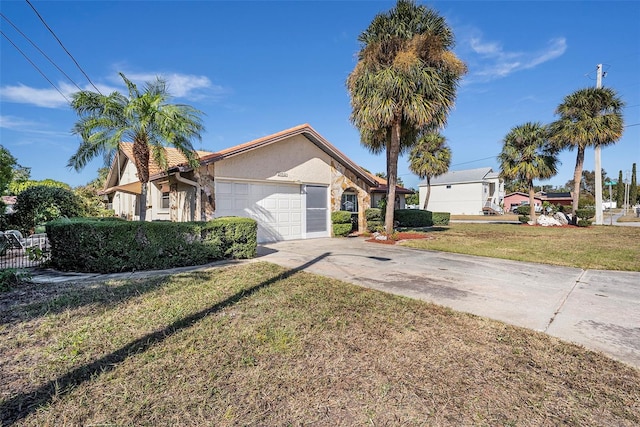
(465, 192)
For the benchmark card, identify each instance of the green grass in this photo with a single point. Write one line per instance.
(603, 247)
(259, 345)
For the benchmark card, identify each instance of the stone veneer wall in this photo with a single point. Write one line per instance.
(343, 179)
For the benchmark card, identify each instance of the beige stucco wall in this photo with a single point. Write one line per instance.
(293, 160)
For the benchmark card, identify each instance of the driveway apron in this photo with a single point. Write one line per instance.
(597, 309)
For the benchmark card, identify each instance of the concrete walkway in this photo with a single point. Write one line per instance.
(597, 309)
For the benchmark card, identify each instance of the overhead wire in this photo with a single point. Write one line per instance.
(63, 47)
(41, 51)
(35, 66)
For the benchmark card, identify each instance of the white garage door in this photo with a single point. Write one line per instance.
(277, 208)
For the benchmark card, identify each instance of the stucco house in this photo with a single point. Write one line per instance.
(465, 192)
(290, 182)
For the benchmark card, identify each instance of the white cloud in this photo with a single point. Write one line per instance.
(48, 98)
(492, 61)
(28, 126)
(186, 86)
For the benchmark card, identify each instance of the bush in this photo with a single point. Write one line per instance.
(11, 277)
(40, 204)
(583, 223)
(341, 217)
(524, 218)
(413, 218)
(586, 213)
(441, 218)
(341, 230)
(373, 214)
(107, 246)
(523, 210)
(374, 220)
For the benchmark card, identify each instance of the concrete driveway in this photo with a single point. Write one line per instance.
(597, 309)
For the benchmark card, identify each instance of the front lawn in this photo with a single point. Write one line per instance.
(259, 345)
(596, 247)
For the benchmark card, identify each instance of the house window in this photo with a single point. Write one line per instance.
(349, 202)
(448, 186)
(165, 201)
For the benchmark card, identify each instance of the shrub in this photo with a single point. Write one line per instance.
(109, 246)
(583, 223)
(523, 210)
(441, 218)
(341, 217)
(413, 218)
(524, 218)
(40, 204)
(341, 230)
(374, 220)
(373, 214)
(586, 213)
(11, 277)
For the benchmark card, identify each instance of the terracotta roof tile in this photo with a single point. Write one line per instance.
(174, 157)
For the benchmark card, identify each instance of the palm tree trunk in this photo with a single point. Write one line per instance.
(392, 178)
(577, 178)
(143, 201)
(532, 206)
(426, 199)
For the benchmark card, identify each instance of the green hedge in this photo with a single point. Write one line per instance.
(341, 217)
(585, 213)
(90, 245)
(374, 220)
(440, 218)
(341, 230)
(413, 218)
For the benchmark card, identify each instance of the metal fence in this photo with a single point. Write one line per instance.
(32, 251)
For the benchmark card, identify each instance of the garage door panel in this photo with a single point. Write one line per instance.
(277, 208)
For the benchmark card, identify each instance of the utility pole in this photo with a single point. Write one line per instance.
(598, 171)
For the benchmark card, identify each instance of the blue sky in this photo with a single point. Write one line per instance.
(255, 68)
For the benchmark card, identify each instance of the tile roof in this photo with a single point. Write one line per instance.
(382, 186)
(174, 157)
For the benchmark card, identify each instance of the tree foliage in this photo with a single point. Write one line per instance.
(587, 117)
(429, 158)
(40, 204)
(17, 187)
(146, 118)
(404, 83)
(527, 155)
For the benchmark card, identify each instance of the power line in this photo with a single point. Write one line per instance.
(40, 50)
(62, 45)
(34, 65)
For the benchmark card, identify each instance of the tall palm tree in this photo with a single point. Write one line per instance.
(588, 117)
(527, 154)
(429, 158)
(146, 118)
(404, 83)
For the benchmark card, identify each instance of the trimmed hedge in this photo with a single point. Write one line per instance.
(342, 230)
(105, 246)
(440, 218)
(341, 217)
(413, 218)
(374, 220)
(585, 213)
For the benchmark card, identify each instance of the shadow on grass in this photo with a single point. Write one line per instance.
(23, 404)
(97, 292)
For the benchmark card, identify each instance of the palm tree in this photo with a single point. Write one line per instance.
(588, 117)
(146, 118)
(527, 154)
(429, 158)
(404, 83)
